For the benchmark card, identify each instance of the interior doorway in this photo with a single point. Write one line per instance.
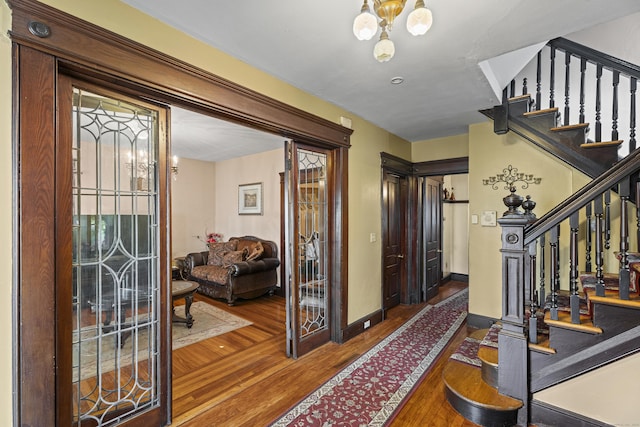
(455, 227)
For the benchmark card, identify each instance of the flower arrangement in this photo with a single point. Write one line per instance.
(210, 238)
(214, 238)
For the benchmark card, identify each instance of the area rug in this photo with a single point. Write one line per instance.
(208, 321)
(369, 390)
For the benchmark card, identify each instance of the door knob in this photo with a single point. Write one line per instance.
(400, 256)
(439, 251)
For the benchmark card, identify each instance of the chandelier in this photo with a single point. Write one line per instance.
(365, 26)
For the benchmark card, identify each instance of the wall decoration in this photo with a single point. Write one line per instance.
(510, 176)
(250, 199)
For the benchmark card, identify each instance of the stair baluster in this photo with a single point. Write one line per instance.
(533, 297)
(583, 69)
(625, 192)
(525, 89)
(598, 102)
(542, 295)
(567, 81)
(633, 85)
(598, 213)
(607, 219)
(554, 271)
(574, 299)
(552, 77)
(614, 106)
(538, 81)
(588, 238)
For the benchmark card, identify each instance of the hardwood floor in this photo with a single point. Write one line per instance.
(243, 378)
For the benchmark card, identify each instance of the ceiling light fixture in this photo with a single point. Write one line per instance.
(365, 26)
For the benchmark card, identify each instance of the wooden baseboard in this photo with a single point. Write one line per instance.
(479, 321)
(544, 414)
(460, 277)
(357, 327)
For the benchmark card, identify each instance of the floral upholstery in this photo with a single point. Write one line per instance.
(211, 273)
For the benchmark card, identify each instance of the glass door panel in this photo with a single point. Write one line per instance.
(116, 357)
(308, 297)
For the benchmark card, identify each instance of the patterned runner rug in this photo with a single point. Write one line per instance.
(369, 390)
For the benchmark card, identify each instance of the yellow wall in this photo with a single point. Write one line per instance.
(489, 154)
(6, 230)
(449, 147)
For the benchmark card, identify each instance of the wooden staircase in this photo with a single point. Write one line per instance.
(558, 322)
(564, 350)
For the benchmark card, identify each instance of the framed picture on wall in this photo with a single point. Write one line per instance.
(250, 199)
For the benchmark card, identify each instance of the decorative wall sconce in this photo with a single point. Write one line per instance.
(510, 176)
(140, 170)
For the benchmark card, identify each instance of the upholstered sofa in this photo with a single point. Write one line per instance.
(244, 267)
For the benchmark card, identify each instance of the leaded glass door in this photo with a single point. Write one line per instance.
(307, 229)
(119, 357)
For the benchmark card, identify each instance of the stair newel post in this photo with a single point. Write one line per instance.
(583, 69)
(607, 219)
(567, 81)
(534, 301)
(598, 102)
(587, 266)
(552, 77)
(554, 271)
(598, 212)
(542, 296)
(624, 277)
(512, 339)
(633, 86)
(538, 81)
(574, 299)
(614, 106)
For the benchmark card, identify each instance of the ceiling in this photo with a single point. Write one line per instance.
(310, 45)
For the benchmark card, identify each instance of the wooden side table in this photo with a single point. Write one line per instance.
(183, 289)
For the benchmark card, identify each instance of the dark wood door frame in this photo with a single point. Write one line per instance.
(86, 51)
(411, 292)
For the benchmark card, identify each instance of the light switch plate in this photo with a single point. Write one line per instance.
(488, 219)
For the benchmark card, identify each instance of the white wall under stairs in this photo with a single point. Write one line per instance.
(608, 394)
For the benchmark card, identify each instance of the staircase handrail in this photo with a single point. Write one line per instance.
(596, 56)
(586, 194)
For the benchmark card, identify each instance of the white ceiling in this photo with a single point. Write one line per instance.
(310, 45)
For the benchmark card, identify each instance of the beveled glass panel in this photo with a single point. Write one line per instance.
(312, 219)
(115, 260)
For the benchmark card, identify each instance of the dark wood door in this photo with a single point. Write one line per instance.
(432, 236)
(394, 196)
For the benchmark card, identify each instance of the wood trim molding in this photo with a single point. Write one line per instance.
(170, 77)
(442, 167)
(396, 164)
(357, 327)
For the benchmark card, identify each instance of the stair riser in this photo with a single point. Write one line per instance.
(615, 320)
(490, 374)
(483, 416)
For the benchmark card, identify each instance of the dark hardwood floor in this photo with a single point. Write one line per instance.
(243, 378)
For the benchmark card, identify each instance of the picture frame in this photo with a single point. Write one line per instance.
(250, 199)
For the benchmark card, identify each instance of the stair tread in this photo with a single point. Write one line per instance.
(519, 98)
(488, 355)
(611, 298)
(570, 127)
(564, 321)
(466, 382)
(602, 144)
(541, 112)
(543, 346)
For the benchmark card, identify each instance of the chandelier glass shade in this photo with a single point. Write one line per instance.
(366, 24)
